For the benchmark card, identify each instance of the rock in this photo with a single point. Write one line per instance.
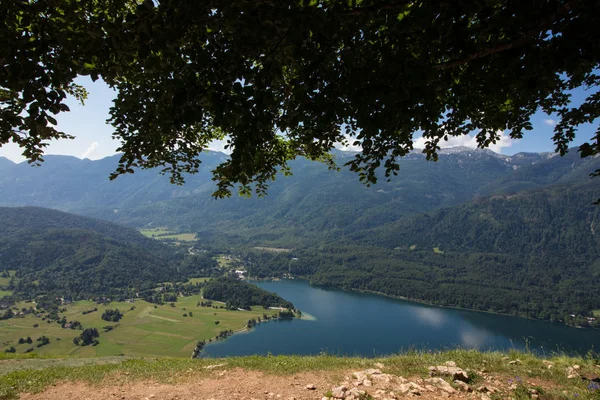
(339, 392)
(514, 362)
(367, 383)
(410, 387)
(450, 364)
(462, 386)
(572, 373)
(484, 396)
(441, 384)
(360, 376)
(576, 367)
(310, 386)
(379, 365)
(372, 371)
(382, 378)
(487, 389)
(454, 372)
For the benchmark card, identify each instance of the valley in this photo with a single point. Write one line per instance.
(514, 235)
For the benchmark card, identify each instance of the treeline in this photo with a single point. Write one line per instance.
(238, 294)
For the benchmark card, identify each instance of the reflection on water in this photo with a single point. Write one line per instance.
(350, 323)
(431, 316)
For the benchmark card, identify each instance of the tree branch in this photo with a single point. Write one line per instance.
(527, 36)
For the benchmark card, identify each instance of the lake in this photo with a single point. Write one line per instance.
(362, 324)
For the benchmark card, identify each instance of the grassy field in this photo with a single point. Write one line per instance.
(30, 375)
(5, 293)
(596, 313)
(143, 331)
(165, 233)
(5, 281)
(197, 280)
(226, 261)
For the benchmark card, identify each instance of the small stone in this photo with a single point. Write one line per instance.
(441, 384)
(367, 383)
(339, 392)
(379, 365)
(311, 387)
(462, 386)
(382, 378)
(487, 389)
(450, 364)
(454, 372)
(372, 371)
(572, 372)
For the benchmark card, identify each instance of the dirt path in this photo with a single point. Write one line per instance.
(228, 384)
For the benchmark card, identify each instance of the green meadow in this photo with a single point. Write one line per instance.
(165, 233)
(143, 330)
(5, 281)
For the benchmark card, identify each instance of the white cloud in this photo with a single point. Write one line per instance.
(90, 150)
(467, 141)
(219, 145)
(350, 146)
(550, 122)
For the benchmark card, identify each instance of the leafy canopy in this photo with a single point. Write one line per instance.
(282, 79)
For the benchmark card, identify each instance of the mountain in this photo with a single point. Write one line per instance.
(329, 204)
(56, 252)
(5, 163)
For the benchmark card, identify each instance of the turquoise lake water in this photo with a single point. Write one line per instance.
(352, 323)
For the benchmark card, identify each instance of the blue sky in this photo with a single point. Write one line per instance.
(93, 136)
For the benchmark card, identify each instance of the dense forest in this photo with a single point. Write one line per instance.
(238, 294)
(535, 255)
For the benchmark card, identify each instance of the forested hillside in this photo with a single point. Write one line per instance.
(52, 251)
(534, 254)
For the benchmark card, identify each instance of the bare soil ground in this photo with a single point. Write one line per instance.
(240, 384)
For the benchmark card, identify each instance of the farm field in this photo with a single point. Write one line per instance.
(165, 233)
(143, 330)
